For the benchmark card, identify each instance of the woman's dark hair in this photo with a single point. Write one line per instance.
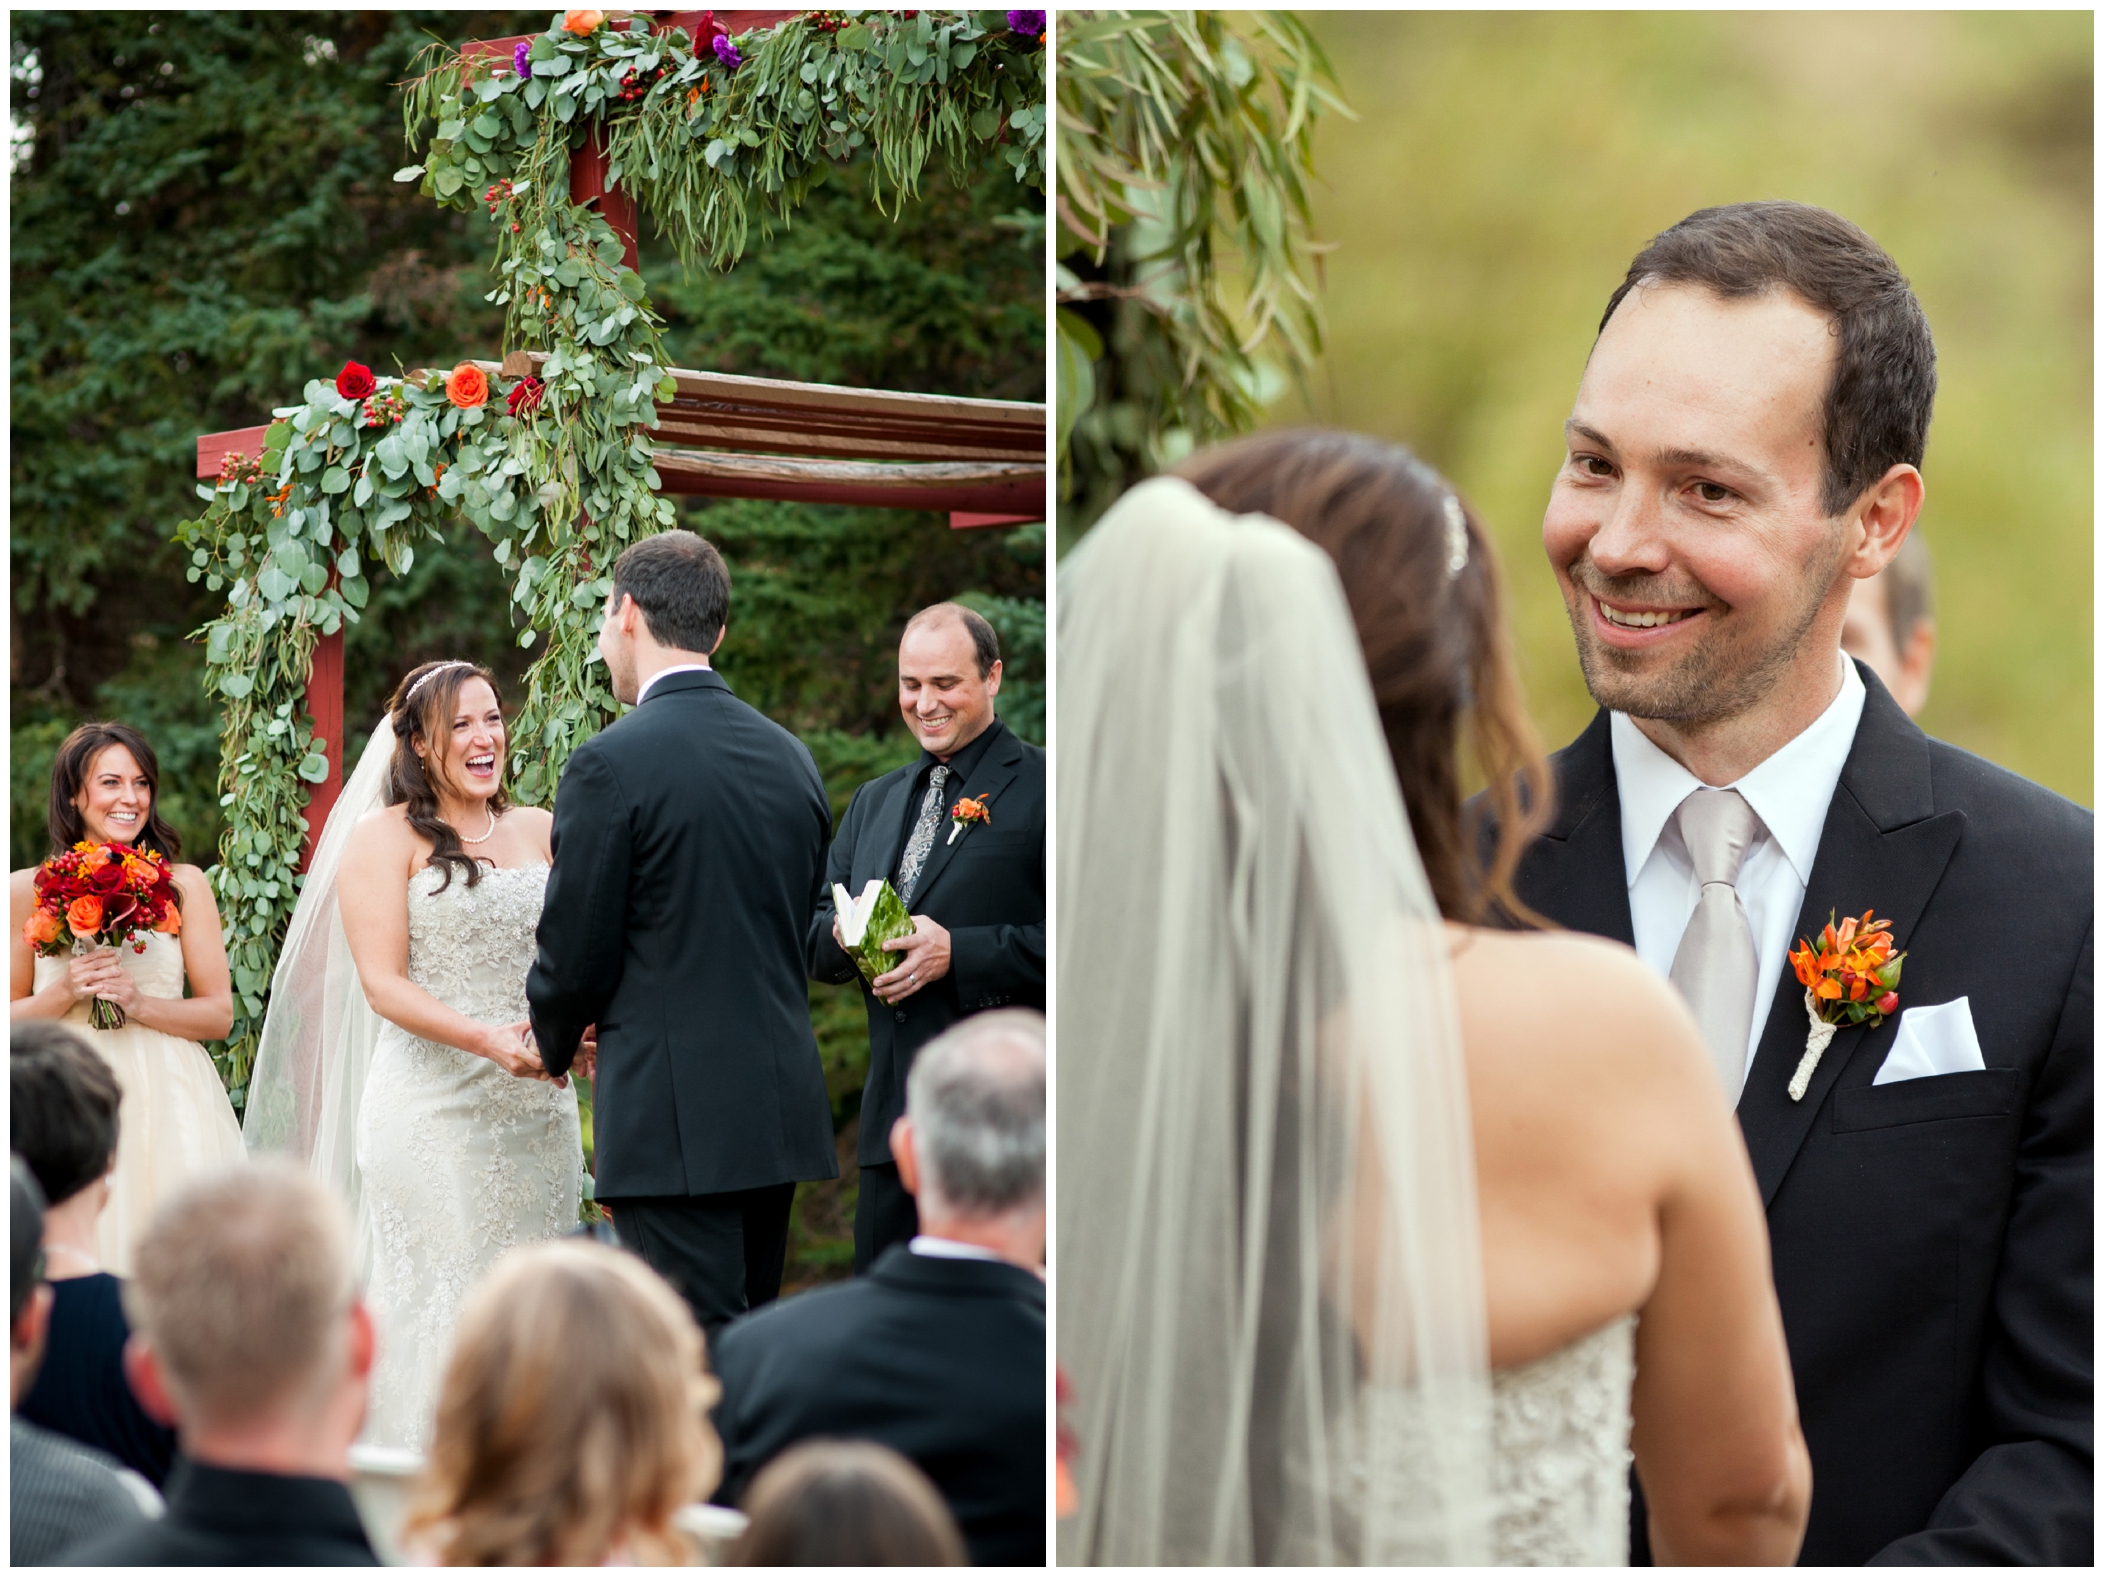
(845, 1503)
(69, 772)
(424, 710)
(1435, 643)
(62, 1107)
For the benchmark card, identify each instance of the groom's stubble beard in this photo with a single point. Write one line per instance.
(1723, 677)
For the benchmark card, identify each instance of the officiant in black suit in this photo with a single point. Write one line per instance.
(1745, 446)
(689, 840)
(975, 885)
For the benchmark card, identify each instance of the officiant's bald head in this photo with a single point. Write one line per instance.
(1745, 445)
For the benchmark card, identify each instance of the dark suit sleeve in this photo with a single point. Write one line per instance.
(2027, 1499)
(822, 955)
(582, 938)
(998, 961)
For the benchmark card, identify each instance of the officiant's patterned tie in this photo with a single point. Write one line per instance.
(1717, 967)
(923, 838)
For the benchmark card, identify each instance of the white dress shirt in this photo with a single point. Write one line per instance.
(1789, 792)
(666, 673)
(949, 1248)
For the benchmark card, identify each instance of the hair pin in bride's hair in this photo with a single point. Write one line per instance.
(1456, 536)
(432, 673)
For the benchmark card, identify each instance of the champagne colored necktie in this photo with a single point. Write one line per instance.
(1717, 967)
(923, 838)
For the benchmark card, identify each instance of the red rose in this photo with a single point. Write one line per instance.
(525, 395)
(355, 382)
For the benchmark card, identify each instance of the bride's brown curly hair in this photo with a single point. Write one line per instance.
(1435, 644)
(424, 711)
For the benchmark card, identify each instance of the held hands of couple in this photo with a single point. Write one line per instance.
(925, 959)
(510, 1047)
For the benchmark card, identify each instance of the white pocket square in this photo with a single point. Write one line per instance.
(1931, 1041)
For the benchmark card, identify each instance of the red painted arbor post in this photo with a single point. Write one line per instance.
(325, 706)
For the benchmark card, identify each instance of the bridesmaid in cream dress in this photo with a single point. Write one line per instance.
(175, 1120)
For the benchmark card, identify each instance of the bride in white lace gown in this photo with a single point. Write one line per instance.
(1383, 1237)
(433, 1112)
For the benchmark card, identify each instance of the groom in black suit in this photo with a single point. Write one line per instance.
(975, 887)
(689, 840)
(1745, 445)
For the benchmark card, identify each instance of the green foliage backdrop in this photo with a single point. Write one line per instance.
(261, 242)
(1504, 168)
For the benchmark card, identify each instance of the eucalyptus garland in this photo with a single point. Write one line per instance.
(708, 134)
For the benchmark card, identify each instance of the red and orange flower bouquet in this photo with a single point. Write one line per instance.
(102, 894)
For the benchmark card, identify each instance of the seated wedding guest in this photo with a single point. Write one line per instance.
(62, 1103)
(573, 1421)
(1891, 624)
(249, 1336)
(939, 1352)
(845, 1503)
(58, 1493)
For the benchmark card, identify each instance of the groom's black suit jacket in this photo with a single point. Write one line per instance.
(1931, 1237)
(689, 840)
(987, 889)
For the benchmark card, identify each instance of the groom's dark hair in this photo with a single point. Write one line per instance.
(1883, 389)
(681, 584)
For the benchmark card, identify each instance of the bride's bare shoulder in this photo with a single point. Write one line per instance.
(383, 832)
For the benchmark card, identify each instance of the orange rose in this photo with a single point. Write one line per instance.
(97, 858)
(43, 929)
(582, 22)
(171, 923)
(84, 915)
(467, 386)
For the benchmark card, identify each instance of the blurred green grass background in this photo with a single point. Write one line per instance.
(1504, 169)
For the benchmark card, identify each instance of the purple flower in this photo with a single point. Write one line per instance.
(727, 52)
(518, 60)
(1031, 23)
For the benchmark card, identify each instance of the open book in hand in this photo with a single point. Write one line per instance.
(868, 922)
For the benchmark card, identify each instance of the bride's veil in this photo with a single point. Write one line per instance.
(319, 1031)
(1268, 1266)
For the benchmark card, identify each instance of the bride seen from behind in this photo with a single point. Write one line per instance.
(1360, 1198)
(396, 1060)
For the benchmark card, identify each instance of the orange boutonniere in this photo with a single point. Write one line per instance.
(967, 811)
(1850, 976)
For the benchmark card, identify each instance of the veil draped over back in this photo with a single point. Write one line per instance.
(1269, 1268)
(319, 1031)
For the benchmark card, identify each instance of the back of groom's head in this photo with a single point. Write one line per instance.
(680, 584)
(1883, 388)
(976, 1099)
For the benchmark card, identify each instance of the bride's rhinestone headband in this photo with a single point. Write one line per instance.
(433, 673)
(1456, 537)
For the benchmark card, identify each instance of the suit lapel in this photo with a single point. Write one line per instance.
(1883, 848)
(996, 770)
(1575, 871)
(886, 836)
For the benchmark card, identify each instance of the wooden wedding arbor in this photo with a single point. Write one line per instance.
(981, 461)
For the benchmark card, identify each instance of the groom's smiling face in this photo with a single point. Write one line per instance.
(1686, 526)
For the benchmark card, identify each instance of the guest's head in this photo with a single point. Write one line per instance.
(248, 1334)
(62, 1113)
(105, 788)
(449, 754)
(949, 674)
(1426, 599)
(573, 1419)
(1891, 624)
(671, 599)
(28, 1299)
(1745, 445)
(971, 1147)
(845, 1503)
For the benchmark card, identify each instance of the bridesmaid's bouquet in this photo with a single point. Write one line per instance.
(102, 894)
(868, 922)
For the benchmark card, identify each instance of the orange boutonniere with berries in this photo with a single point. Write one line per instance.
(1850, 976)
(967, 811)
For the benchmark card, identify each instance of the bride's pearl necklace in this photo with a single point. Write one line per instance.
(491, 811)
